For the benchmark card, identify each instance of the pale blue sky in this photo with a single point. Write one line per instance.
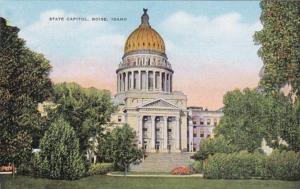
(209, 43)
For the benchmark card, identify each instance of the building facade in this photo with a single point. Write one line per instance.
(201, 125)
(145, 97)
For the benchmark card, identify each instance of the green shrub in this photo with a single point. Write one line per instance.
(25, 169)
(198, 166)
(59, 157)
(242, 165)
(100, 168)
(283, 165)
(214, 145)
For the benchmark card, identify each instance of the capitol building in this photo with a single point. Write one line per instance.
(147, 102)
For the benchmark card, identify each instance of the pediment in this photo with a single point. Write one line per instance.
(159, 103)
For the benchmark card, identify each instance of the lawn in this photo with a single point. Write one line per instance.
(107, 182)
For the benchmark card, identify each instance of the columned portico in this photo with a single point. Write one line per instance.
(164, 132)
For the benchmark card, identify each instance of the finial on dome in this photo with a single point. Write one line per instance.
(145, 18)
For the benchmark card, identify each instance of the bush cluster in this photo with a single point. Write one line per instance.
(243, 165)
(283, 165)
(100, 169)
(233, 166)
(198, 166)
(214, 145)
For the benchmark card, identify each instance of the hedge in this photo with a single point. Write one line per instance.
(283, 165)
(243, 165)
(100, 168)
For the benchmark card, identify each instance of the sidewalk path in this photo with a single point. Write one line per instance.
(158, 175)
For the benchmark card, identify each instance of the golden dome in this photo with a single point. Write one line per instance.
(144, 38)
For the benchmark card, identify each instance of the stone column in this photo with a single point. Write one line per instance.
(160, 81)
(171, 82)
(128, 81)
(165, 133)
(125, 84)
(191, 137)
(122, 84)
(154, 79)
(139, 81)
(132, 79)
(147, 80)
(177, 133)
(120, 80)
(118, 83)
(140, 126)
(165, 81)
(153, 133)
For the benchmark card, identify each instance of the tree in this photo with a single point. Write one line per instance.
(87, 110)
(279, 40)
(24, 82)
(105, 147)
(250, 116)
(59, 157)
(125, 150)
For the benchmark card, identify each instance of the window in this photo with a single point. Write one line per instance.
(169, 130)
(144, 129)
(194, 122)
(194, 127)
(157, 129)
(194, 134)
(119, 118)
(201, 133)
(208, 121)
(215, 122)
(201, 122)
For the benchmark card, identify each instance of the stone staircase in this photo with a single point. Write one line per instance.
(162, 162)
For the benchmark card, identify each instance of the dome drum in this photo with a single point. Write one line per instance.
(145, 79)
(145, 60)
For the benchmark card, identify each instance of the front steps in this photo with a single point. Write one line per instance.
(163, 162)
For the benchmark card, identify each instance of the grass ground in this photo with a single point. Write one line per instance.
(106, 182)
